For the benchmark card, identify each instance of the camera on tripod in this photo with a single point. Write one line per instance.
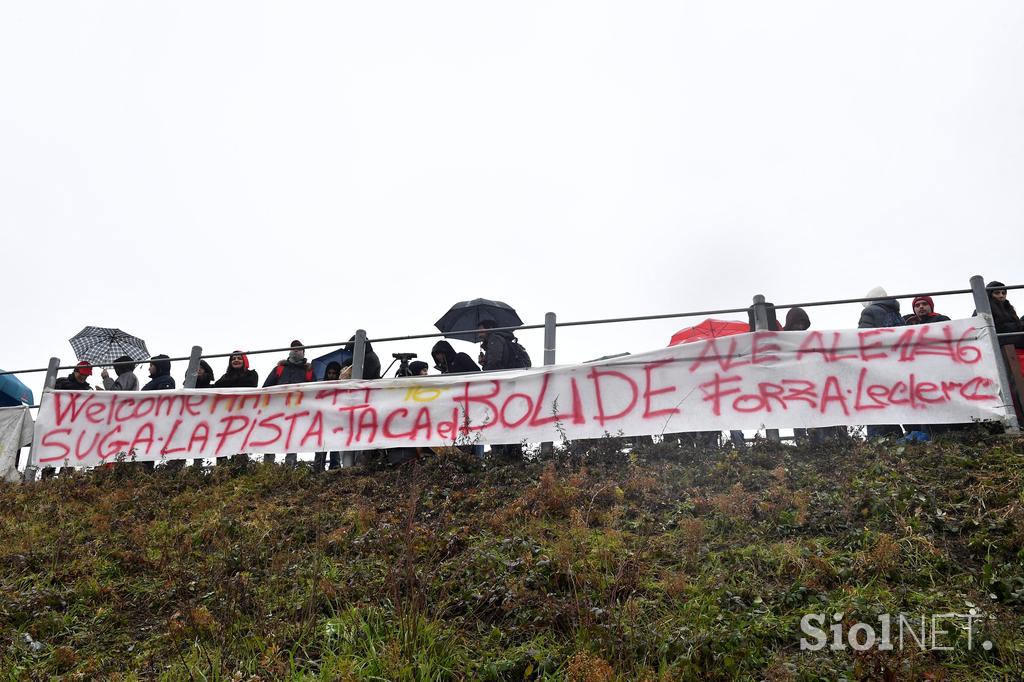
(403, 364)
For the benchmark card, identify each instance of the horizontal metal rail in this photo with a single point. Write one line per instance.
(577, 323)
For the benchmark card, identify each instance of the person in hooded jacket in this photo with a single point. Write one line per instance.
(797, 320)
(447, 361)
(885, 313)
(124, 368)
(371, 363)
(924, 312)
(160, 378)
(294, 369)
(1004, 316)
(238, 374)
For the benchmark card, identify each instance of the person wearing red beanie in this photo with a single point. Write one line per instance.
(924, 312)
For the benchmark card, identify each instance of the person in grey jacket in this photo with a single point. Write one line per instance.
(885, 313)
(126, 380)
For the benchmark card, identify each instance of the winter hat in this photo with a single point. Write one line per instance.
(926, 299)
(84, 368)
(877, 292)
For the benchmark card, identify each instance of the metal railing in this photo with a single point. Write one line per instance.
(758, 312)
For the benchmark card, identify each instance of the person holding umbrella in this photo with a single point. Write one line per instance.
(126, 380)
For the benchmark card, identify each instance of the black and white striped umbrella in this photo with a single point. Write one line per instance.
(101, 346)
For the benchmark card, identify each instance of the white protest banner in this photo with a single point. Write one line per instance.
(937, 373)
(15, 433)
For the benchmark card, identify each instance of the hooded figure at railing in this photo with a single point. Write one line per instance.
(371, 363)
(447, 361)
(160, 378)
(1004, 316)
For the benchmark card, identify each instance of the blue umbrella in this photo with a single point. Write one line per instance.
(13, 392)
(340, 356)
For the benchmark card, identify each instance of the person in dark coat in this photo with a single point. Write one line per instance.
(124, 368)
(160, 378)
(496, 354)
(924, 312)
(419, 368)
(447, 361)
(294, 369)
(885, 313)
(371, 363)
(1004, 316)
(331, 373)
(797, 320)
(76, 381)
(238, 374)
(495, 347)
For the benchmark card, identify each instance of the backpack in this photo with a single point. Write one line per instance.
(519, 358)
(280, 370)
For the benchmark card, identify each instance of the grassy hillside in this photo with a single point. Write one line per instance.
(659, 565)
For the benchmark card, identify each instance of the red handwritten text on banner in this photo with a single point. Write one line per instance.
(939, 373)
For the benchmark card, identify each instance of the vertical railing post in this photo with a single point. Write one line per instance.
(192, 370)
(984, 308)
(191, 376)
(348, 457)
(761, 324)
(359, 354)
(549, 359)
(549, 338)
(48, 383)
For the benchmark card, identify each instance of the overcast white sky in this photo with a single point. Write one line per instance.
(239, 174)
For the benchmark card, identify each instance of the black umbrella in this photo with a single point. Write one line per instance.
(101, 346)
(462, 320)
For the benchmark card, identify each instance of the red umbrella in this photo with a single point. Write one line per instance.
(709, 329)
